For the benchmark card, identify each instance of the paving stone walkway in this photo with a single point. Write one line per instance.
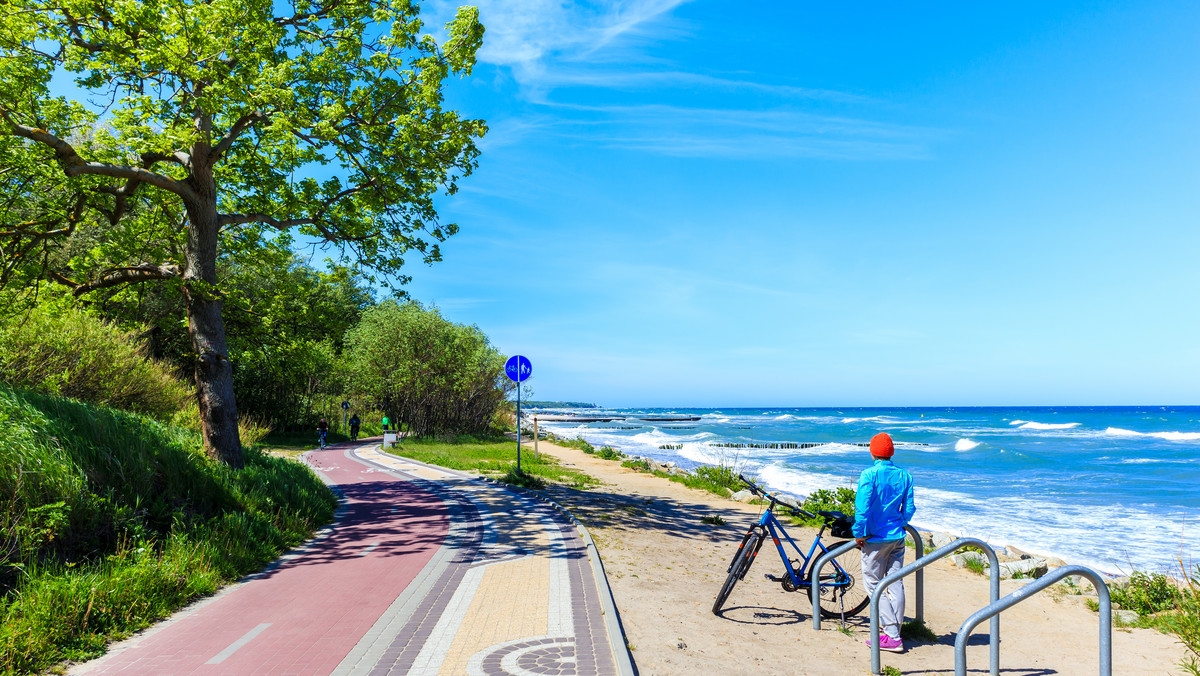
(426, 571)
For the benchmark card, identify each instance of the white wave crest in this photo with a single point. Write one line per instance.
(965, 445)
(1025, 425)
(1169, 436)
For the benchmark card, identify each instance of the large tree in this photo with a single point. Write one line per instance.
(197, 127)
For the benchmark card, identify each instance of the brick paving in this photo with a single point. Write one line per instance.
(426, 571)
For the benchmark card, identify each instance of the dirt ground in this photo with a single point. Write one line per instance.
(665, 566)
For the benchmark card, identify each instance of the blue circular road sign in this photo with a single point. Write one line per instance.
(518, 368)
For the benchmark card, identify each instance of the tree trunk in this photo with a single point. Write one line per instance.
(214, 372)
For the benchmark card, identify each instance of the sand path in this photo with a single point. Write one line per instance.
(665, 566)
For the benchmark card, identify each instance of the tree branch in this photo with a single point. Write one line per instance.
(248, 120)
(145, 272)
(74, 165)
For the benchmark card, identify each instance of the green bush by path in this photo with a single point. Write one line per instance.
(75, 355)
(109, 520)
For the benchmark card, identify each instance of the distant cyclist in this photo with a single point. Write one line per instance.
(354, 425)
(322, 431)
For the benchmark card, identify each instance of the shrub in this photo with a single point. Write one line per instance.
(1185, 621)
(1146, 593)
(840, 499)
(610, 453)
(74, 355)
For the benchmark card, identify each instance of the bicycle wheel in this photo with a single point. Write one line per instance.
(737, 571)
(842, 589)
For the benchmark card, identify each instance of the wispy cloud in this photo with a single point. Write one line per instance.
(530, 36)
(562, 52)
(740, 133)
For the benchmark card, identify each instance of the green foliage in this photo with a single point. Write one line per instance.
(915, 630)
(355, 86)
(637, 464)
(713, 520)
(891, 671)
(523, 479)
(77, 356)
(1184, 622)
(609, 453)
(434, 376)
(976, 566)
(1146, 593)
(124, 520)
(840, 499)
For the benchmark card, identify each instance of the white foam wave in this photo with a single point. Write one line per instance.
(1026, 425)
(965, 445)
(1169, 436)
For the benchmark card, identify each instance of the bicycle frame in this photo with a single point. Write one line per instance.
(770, 523)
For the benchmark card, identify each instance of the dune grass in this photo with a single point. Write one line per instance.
(109, 520)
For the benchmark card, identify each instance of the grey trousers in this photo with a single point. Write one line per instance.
(878, 560)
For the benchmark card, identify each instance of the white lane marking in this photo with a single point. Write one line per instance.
(369, 549)
(233, 647)
(433, 654)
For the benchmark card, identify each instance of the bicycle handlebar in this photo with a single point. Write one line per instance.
(759, 491)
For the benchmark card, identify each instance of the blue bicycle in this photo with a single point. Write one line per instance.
(840, 585)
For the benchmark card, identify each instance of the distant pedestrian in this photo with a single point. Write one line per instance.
(385, 423)
(354, 425)
(882, 508)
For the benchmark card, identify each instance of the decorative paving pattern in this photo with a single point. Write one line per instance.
(518, 588)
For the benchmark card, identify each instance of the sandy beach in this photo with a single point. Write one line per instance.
(665, 566)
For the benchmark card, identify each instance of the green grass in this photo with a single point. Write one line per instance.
(915, 630)
(110, 520)
(713, 520)
(493, 456)
(892, 671)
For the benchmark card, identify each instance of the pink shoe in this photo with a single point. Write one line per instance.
(892, 645)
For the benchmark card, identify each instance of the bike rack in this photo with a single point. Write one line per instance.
(834, 553)
(993, 609)
(920, 563)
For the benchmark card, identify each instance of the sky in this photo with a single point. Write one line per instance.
(723, 204)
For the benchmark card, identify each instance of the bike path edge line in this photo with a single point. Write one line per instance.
(612, 619)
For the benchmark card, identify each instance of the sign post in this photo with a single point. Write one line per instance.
(518, 368)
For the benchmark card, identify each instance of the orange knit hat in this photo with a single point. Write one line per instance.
(881, 446)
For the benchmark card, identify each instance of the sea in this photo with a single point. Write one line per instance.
(1113, 488)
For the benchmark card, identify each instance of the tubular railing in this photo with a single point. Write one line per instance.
(836, 552)
(993, 610)
(918, 565)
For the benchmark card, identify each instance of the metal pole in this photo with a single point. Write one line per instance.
(994, 608)
(536, 454)
(518, 422)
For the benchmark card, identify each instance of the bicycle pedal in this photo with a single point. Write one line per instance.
(773, 578)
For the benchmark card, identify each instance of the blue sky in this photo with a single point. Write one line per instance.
(804, 204)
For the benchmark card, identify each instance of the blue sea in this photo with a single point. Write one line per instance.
(1115, 488)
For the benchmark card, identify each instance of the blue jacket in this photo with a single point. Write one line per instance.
(884, 503)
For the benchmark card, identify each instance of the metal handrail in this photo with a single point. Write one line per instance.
(993, 609)
(838, 551)
(918, 565)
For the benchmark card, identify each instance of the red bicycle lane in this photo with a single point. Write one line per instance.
(303, 615)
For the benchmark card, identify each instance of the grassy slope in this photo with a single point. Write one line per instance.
(110, 520)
